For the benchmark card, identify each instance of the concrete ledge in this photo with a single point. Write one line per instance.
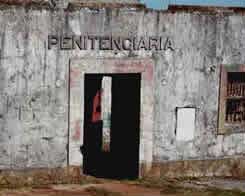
(225, 168)
(40, 177)
(234, 168)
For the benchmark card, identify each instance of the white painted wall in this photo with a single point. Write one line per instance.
(185, 124)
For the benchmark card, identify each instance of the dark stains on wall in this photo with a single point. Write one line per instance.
(34, 80)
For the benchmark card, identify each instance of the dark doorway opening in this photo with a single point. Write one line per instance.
(122, 161)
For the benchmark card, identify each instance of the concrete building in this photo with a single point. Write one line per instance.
(173, 95)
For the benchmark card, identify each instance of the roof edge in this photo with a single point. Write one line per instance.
(206, 9)
(93, 5)
(76, 5)
(39, 4)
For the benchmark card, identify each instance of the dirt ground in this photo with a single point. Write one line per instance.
(149, 187)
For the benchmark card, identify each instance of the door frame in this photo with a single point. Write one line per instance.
(78, 67)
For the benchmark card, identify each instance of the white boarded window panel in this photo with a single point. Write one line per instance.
(106, 112)
(185, 124)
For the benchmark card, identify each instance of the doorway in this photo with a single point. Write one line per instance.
(120, 160)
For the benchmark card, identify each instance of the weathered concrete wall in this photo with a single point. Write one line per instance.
(33, 92)
(229, 167)
(202, 41)
(34, 80)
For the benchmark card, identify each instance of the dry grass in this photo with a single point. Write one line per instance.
(171, 187)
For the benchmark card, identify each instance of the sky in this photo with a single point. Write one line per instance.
(162, 4)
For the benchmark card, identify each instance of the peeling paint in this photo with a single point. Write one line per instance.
(77, 131)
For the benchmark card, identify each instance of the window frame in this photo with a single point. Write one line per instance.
(223, 126)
